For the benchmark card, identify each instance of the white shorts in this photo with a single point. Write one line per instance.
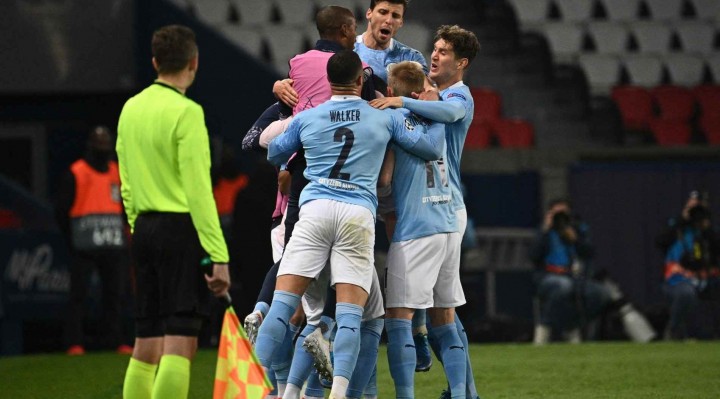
(313, 301)
(334, 231)
(461, 216)
(424, 272)
(277, 240)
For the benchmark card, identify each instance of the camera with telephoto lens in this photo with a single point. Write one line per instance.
(561, 221)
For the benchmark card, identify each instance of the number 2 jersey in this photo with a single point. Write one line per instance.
(345, 141)
(421, 192)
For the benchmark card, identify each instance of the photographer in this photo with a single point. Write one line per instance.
(691, 249)
(560, 254)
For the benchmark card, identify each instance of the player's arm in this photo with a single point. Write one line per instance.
(251, 141)
(447, 111)
(194, 165)
(125, 187)
(429, 146)
(273, 130)
(286, 144)
(386, 202)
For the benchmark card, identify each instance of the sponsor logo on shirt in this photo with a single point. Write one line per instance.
(453, 94)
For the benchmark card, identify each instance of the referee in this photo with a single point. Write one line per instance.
(164, 159)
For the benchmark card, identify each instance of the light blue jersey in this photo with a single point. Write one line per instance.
(345, 141)
(422, 194)
(381, 60)
(456, 111)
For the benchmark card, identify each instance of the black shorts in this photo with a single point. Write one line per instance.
(172, 294)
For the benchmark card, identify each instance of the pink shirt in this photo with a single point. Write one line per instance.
(309, 74)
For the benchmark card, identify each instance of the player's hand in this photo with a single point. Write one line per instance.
(283, 90)
(219, 282)
(387, 102)
(431, 94)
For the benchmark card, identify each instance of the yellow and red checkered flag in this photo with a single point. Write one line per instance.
(239, 374)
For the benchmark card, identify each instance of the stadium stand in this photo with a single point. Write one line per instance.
(514, 133)
(670, 133)
(620, 10)
(706, 9)
(651, 37)
(248, 39)
(565, 38)
(696, 36)
(284, 42)
(608, 37)
(602, 71)
(674, 103)
(417, 36)
(575, 10)
(212, 12)
(258, 13)
(667, 10)
(635, 104)
(558, 65)
(643, 70)
(296, 12)
(684, 69)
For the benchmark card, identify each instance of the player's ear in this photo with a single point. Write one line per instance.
(462, 63)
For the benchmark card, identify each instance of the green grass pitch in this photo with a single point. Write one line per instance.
(591, 370)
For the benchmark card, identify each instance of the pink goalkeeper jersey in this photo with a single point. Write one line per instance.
(309, 74)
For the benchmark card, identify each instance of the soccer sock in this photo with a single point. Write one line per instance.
(454, 357)
(367, 357)
(292, 391)
(173, 378)
(273, 329)
(302, 361)
(434, 345)
(139, 379)
(284, 356)
(262, 307)
(314, 388)
(401, 356)
(418, 322)
(273, 381)
(371, 391)
(471, 389)
(347, 343)
(339, 387)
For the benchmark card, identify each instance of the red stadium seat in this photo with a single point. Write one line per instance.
(488, 104)
(478, 135)
(712, 133)
(514, 133)
(670, 133)
(635, 104)
(708, 100)
(674, 103)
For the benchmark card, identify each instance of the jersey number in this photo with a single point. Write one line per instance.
(344, 152)
(430, 173)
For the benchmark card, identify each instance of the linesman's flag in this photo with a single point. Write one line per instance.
(239, 374)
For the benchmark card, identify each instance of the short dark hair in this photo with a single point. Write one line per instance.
(344, 67)
(404, 3)
(330, 19)
(464, 42)
(173, 47)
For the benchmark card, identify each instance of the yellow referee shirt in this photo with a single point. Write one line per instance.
(164, 157)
